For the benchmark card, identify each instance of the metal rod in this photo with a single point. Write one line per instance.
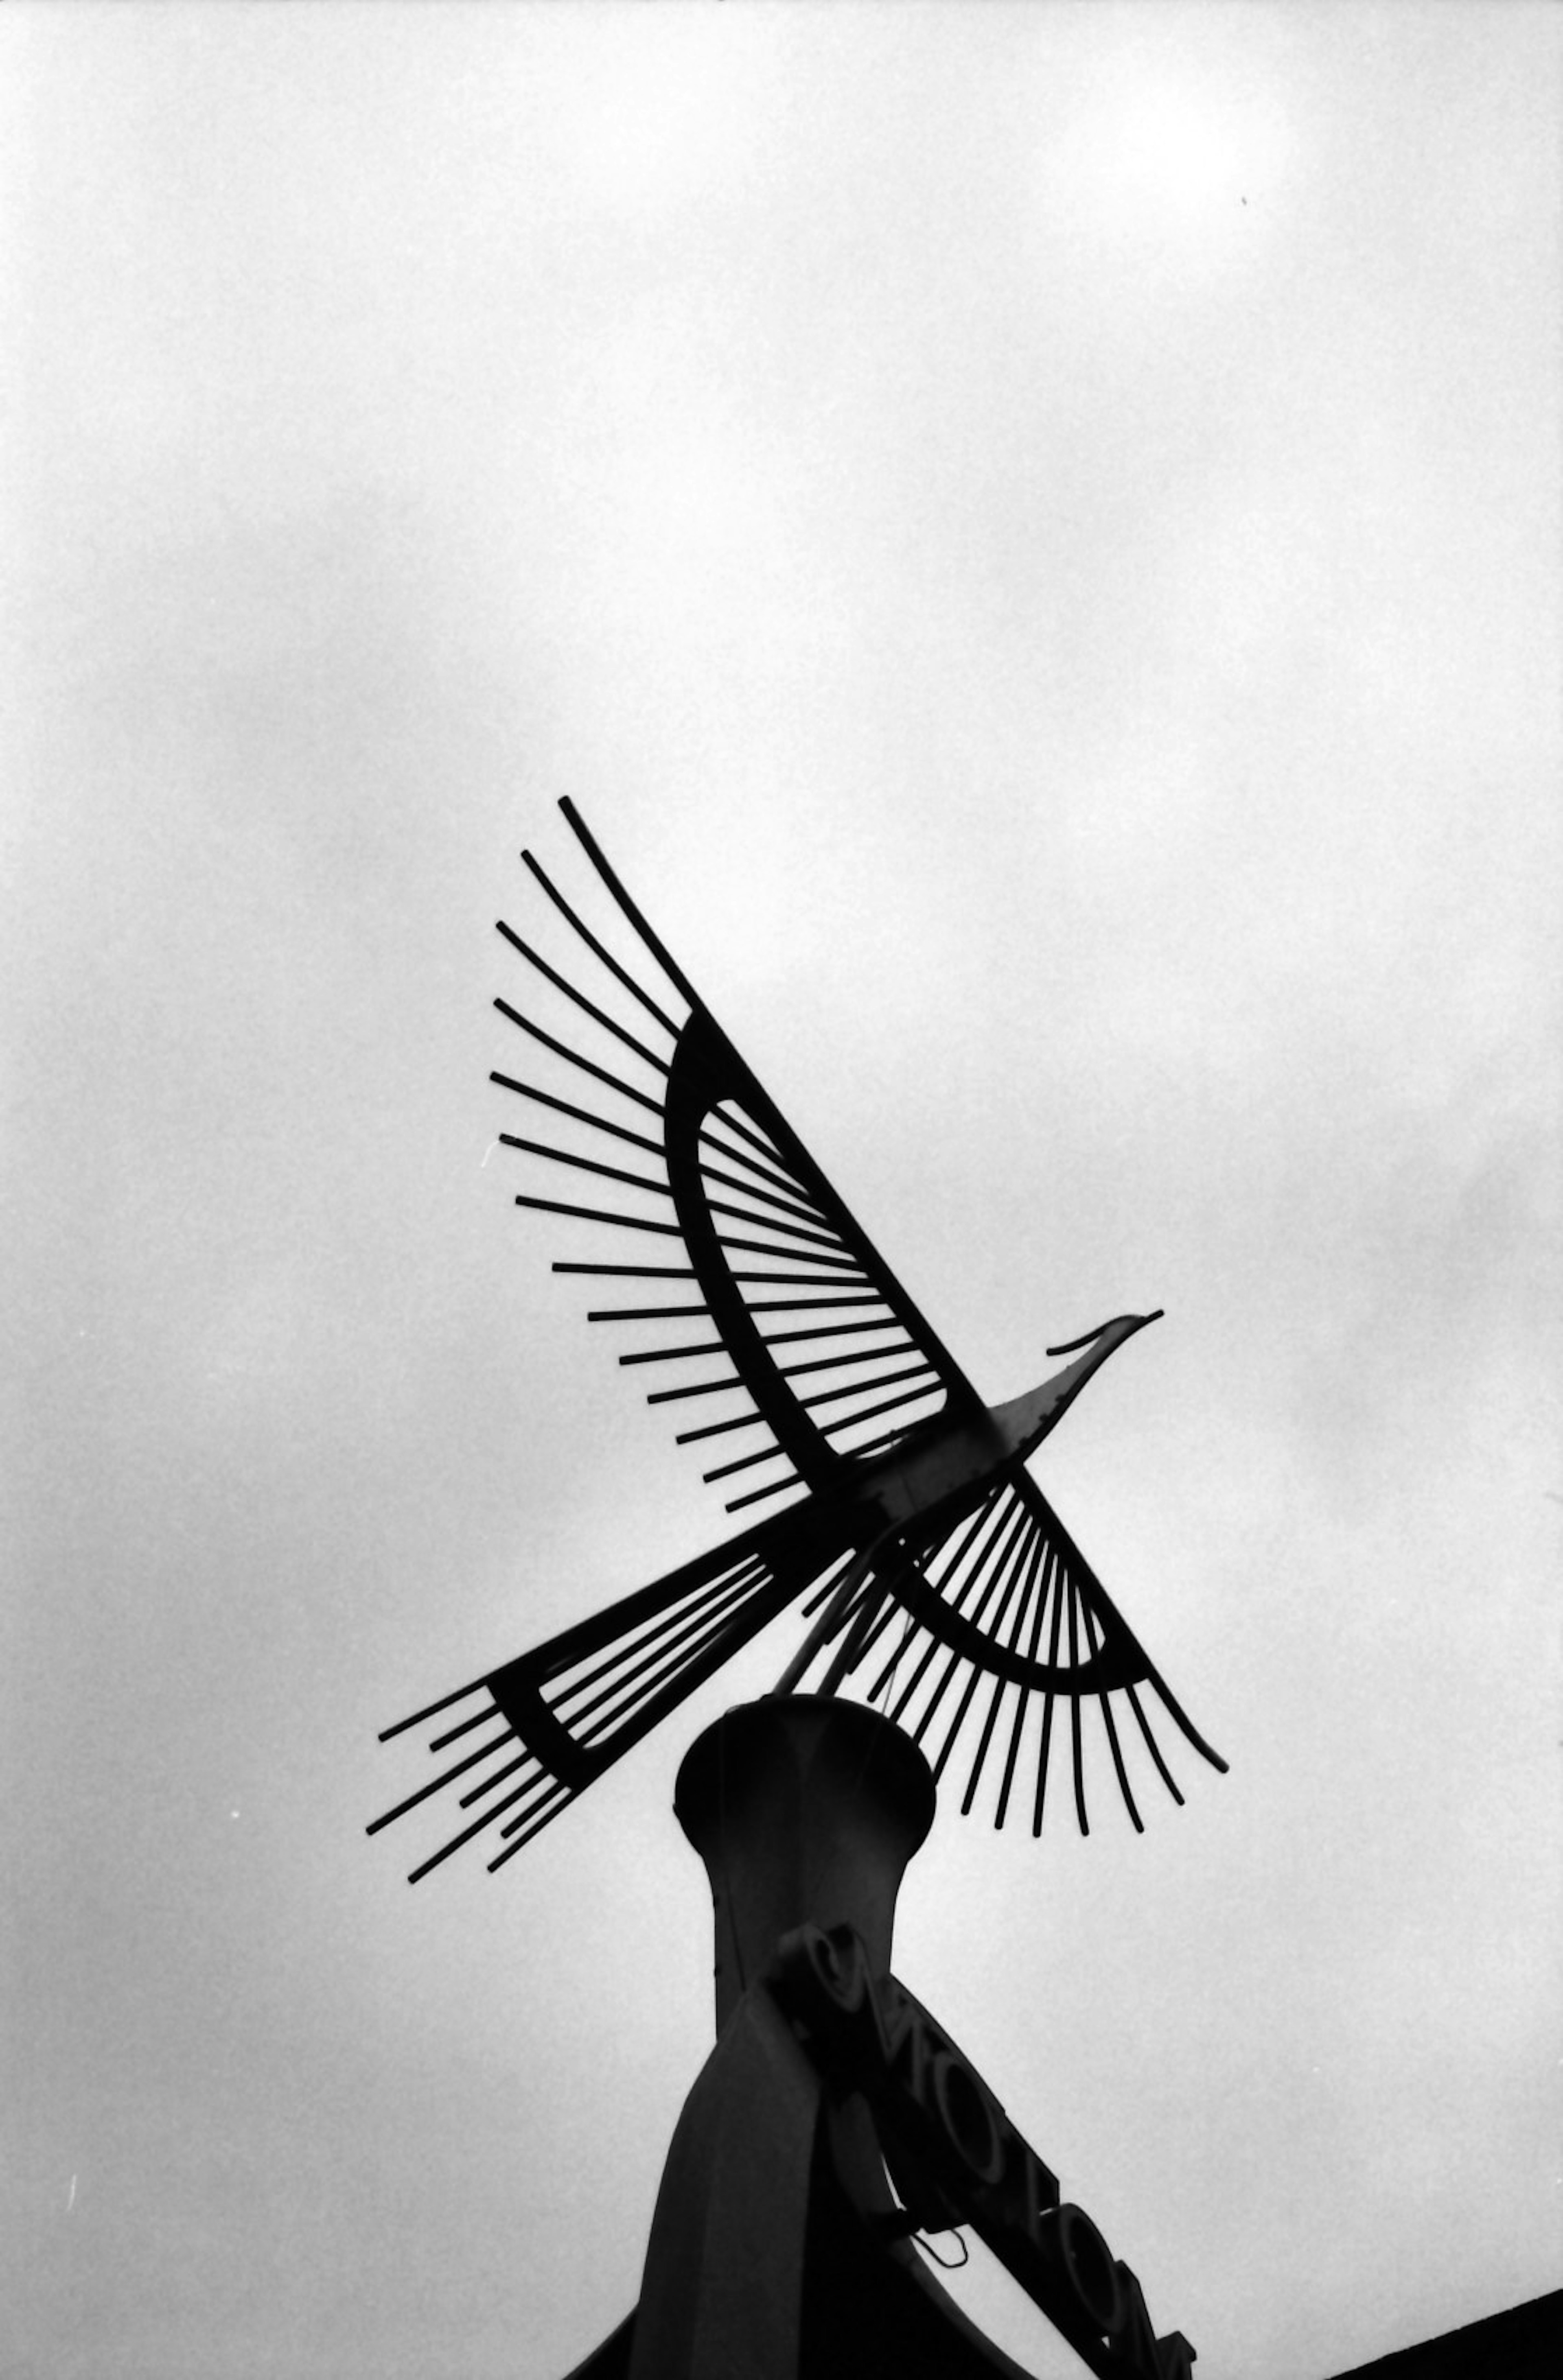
(813, 1305)
(430, 1710)
(524, 1759)
(886, 1613)
(806, 1280)
(719, 1428)
(646, 1313)
(545, 1789)
(695, 1388)
(1005, 1567)
(835, 1363)
(584, 836)
(749, 1572)
(1074, 1720)
(720, 1626)
(832, 1616)
(892, 1404)
(992, 1517)
(1195, 1738)
(821, 1632)
(758, 1495)
(1058, 1583)
(424, 1791)
(832, 1569)
(468, 1832)
(777, 1223)
(581, 1115)
(778, 1180)
(1049, 1560)
(735, 1120)
(849, 1651)
(766, 1197)
(768, 1248)
(547, 1819)
(587, 1065)
(862, 1388)
(1167, 1776)
(619, 1032)
(1035, 1545)
(590, 939)
(630, 1273)
(464, 1728)
(982, 1514)
(671, 1355)
(1089, 1619)
(974, 1681)
(732, 1593)
(586, 1164)
(597, 1215)
(745, 1462)
(1117, 1763)
(910, 1633)
(825, 1329)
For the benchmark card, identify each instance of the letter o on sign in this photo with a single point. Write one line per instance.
(969, 2117)
(1092, 2276)
(837, 1967)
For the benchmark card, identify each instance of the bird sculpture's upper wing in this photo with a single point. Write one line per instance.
(1002, 1601)
(798, 1352)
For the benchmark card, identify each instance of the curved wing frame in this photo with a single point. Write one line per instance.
(776, 1262)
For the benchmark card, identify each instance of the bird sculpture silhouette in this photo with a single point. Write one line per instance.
(901, 1516)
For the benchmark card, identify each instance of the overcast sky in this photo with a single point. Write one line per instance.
(1032, 534)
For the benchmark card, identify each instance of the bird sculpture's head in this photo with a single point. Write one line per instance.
(1025, 1421)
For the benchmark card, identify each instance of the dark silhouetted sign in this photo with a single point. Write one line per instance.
(955, 2157)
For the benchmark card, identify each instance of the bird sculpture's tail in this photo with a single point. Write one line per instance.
(563, 1713)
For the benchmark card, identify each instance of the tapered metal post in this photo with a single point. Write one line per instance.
(803, 1809)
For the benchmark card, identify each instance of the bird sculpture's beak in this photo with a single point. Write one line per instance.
(1125, 1325)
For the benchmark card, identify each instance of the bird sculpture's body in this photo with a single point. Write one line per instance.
(912, 1529)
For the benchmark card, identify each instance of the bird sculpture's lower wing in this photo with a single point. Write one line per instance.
(989, 1616)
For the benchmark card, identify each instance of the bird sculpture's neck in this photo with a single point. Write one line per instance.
(944, 1461)
(1025, 1420)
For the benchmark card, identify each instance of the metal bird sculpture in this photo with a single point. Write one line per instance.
(902, 1517)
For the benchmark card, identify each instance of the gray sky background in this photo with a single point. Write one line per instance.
(1032, 534)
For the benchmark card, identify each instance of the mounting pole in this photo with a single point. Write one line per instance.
(760, 2264)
